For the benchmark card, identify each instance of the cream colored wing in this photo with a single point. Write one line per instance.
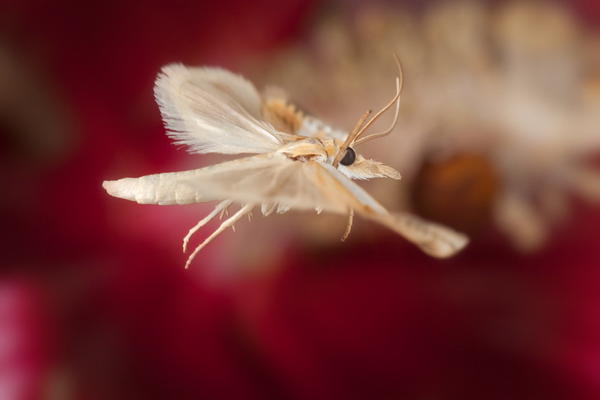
(434, 239)
(271, 179)
(212, 110)
(275, 180)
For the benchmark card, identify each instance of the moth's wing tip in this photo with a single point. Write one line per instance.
(120, 188)
(109, 186)
(451, 244)
(434, 239)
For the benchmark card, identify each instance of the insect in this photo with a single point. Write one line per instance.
(297, 161)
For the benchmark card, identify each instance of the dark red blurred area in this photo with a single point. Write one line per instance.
(95, 304)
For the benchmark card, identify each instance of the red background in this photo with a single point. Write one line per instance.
(94, 303)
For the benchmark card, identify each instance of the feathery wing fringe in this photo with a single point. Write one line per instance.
(212, 110)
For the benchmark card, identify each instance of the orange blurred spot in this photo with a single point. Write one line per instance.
(459, 191)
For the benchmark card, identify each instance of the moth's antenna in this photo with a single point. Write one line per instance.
(388, 130)
(355, 132)
(396, 99)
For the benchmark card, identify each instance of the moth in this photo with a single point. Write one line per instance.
(296, 161)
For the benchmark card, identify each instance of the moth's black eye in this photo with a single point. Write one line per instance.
(349, 157)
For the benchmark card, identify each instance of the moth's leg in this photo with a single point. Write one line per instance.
(222, 205)
(349, 226)
(267, 209)
(249, 215)
(224, 212)
(226, 224)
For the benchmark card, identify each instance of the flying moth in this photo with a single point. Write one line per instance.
(293, 160)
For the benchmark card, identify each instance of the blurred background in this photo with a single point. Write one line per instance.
(498, 137)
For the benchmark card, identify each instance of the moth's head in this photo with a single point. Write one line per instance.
(355, 166)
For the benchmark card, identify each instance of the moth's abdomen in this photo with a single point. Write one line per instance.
(166, 188)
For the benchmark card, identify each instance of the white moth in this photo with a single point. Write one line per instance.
(298, 163)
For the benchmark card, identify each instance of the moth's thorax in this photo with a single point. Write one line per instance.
(313, 148)
(305, 149)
